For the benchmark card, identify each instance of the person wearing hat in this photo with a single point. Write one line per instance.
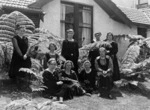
(94, 52)
(19, 58)
(70, 49)
(98, 36)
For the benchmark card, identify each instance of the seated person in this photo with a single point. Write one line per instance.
(70, 78)
(55, 87)
(104, 67)
(87, 77)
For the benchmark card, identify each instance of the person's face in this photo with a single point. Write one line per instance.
(52, 65)
(70, 35)
(20, 32)
(102, 52)
(52, 47)
(87, 65)
(97, 37)
(68, 66)
(109, 37)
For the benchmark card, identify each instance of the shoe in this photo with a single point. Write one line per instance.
(54, 98)
(61, 100)
(99, 95)
(87, 94)
(110, 96)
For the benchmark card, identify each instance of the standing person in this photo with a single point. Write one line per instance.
(55, 87)
(70, 49)
(51, 54)
(98, 36)
(87, 77)
(94, 52)
(113, 54)
(104, 67)
(19, 58)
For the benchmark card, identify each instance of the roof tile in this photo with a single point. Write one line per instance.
(147, 11)
(136, 15)
(17, 3)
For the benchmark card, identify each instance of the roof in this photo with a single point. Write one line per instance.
(19, 4)
(136, 15)
(146, 10)
(125, 15)
(39, 3)
(113, 11)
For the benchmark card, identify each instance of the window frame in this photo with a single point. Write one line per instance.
(139, 2)
(76, 20)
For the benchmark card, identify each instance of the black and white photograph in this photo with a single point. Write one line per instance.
(74, 54)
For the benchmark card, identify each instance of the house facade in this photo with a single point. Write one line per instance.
(88, 17)
(101, 21)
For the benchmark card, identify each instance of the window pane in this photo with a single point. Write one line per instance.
(64, 27)
(67, 13)
(85, 16)
(143, 1)
(79, 18)
(85, 35)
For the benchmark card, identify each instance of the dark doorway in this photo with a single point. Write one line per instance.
(142, 31)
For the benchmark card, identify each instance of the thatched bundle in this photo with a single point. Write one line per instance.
(8, 23)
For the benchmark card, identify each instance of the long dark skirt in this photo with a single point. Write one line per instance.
(64, 91)
(116, 72)
(105, 84)
(76, 90)
(87, 87)
(16, 64)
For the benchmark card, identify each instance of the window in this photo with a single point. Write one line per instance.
(143, 2)
(78, 17)
(142, 31)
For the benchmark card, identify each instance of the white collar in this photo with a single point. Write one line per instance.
(88, 71)
(50, 70)
(70, 40)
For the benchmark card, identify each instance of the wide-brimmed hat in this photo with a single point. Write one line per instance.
(98, 34)
(70, 30)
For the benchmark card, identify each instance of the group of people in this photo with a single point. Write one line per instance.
(99, 72)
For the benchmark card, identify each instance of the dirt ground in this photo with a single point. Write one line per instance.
(128, 98)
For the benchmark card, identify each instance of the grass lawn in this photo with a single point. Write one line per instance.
(125, 102)
(124, 98)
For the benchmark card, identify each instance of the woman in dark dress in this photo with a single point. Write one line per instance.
(104, 67)
(55, 87)
(70, 49)
(87, 77)
(70, 78)
(113, 54)
(51, 54)
(19, 58)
